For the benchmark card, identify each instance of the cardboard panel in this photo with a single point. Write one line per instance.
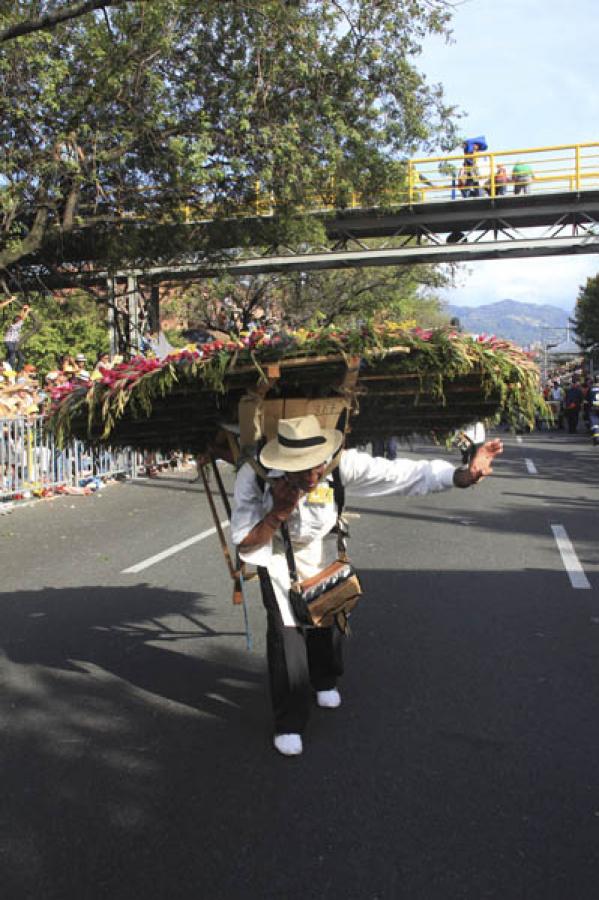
(326, 409)
(250, 420)
(257, 417)
(273, 411)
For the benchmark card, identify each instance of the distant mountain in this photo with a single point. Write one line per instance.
(524, 323)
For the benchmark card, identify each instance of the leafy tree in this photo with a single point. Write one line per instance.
(344, 296)
(202, 304)
(586, 313)
(397, 292)
(72, 323)
(143, 109)
(52, 18)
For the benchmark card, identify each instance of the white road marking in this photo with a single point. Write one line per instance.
(518, 438)
(571, 562)
(170, 551)
(532, 469)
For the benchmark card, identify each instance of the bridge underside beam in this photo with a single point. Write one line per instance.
(453, 231)
(101, 244)
(523, 211)
(409, 255)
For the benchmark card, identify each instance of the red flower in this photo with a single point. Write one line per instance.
(424, 334)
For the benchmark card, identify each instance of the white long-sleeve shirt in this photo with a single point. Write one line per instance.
(315, 515)
(13, 332)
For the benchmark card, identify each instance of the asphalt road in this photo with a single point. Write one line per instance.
(136, 747)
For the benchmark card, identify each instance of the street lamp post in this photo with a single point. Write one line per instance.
(546, 348)
(552, 340)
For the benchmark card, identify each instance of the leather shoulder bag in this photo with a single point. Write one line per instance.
(327, 598)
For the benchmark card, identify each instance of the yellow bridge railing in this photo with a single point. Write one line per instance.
(538, 170)
(459, 176)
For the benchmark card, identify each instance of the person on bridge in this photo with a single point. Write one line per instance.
(522, 177)
(501, 181)
(470, 173)
(298, 493)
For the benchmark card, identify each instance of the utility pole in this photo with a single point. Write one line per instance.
(549, 344)
(154, 310)
(133, 311)
(112, 334)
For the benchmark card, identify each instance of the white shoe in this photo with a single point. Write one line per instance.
(288, 744)
(328, 699)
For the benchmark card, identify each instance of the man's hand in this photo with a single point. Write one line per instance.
(480, 465)
(285, 498)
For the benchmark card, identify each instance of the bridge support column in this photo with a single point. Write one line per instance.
(123, 314)
(133, 302)
(154, 309)
(112, 329)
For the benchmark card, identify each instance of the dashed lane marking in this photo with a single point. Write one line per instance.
(170, 551)
(532, 469)
(570, 560)
(518, 438)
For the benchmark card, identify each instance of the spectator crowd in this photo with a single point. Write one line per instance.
(574, 402)
(23, 392)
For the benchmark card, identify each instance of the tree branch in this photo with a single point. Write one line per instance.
(29, 244)
(50, 20)
(70, 208)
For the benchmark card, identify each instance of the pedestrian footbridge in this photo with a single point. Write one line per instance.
(507, 204)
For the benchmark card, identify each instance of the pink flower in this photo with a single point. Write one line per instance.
(423, 334)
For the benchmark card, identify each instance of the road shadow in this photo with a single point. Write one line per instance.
(138, 634)
(112, 699)
(137, 762)
(519, 520)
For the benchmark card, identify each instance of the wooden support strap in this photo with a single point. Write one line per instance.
(251, 409)
(233, 570)
(233, 445)
(348, 386)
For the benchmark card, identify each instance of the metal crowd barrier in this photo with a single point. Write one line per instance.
(30, 462)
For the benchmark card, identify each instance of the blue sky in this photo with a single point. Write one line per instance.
(526, 73)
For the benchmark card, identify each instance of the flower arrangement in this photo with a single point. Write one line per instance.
(424, 379)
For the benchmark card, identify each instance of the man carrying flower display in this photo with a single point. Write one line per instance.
(447, 379)
(307, 472)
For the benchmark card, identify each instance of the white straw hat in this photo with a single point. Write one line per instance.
(300, 444)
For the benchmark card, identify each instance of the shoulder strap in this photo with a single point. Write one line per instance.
(341, 527)
(338, 491)
(260, 471)
(289, 553)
